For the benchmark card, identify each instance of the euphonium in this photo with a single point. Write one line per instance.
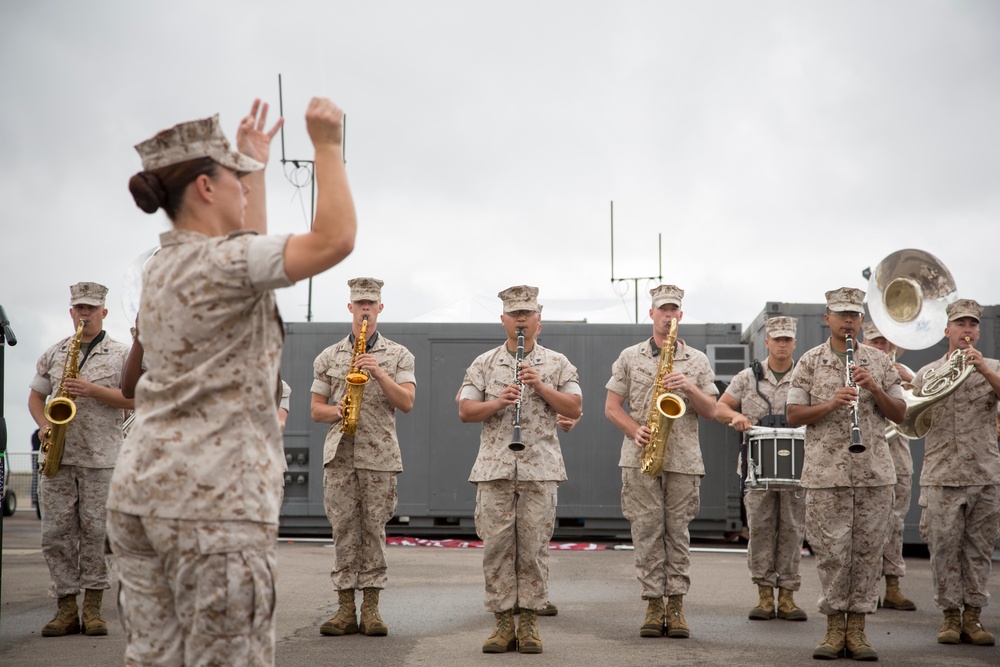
(61, 409)
(663, 410)
(356, 381)
(939, 384)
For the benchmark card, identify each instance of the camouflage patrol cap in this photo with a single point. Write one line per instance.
(190, 141)
(365, 289)
(870, 331)
(964, 308)
(520, 297)
(781, 327)
(90, 294)
(846, 300)
(666, 294)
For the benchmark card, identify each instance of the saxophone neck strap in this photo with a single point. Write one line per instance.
(90, 348)
(369, 343)
(656, 349)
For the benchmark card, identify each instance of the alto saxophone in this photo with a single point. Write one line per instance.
(663, 410)
(356, 380)
(61, 409)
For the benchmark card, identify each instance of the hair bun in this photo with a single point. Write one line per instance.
(147, 191)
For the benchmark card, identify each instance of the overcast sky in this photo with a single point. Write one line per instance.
(778, 147)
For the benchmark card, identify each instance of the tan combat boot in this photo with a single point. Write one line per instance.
(528, 640)
(787, 609)
(371, 622)
(894, 598)
(504, 637)
(677, 627)
(834, 640)
(653, 625)
(66, 621)
(857, 642)
(951, 627)
(764, 611)
(93, 622)
(345, 621)
(973, 631)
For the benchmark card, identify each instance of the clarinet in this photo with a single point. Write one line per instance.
(856, 447)
(516, 444)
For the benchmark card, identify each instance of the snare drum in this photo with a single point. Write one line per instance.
(774, 458)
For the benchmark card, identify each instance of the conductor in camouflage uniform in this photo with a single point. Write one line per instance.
(849, 495)
(777, 518)
(960, 483)
(359, 469)
(73, 502)
(516, 491)
(660, 508)
(893, 565)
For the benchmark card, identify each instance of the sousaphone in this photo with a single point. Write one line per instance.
(908, 296)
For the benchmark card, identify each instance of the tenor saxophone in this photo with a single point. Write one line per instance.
(61, 409)
(356, 380)
(663, 410)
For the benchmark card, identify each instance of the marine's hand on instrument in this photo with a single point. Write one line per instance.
(863, 378)
(509, 395)
(251, 138)
(368, 363)
(529, 376)
(740, 423)
(904, 373)
(78, 387)
(974, 358)
(844, 397)
(675, 381)
(325, 122)
(641, 435)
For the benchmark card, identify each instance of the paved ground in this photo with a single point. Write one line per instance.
(434, 611)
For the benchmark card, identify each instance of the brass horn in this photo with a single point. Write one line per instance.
(908, 294)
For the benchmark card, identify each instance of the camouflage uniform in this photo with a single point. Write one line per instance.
(516, 491)
(359, 471)
(660, 509)
(892, 561)
(73, 501)
(195, 497)
(776, 518)
(849, 498)
(960, 490)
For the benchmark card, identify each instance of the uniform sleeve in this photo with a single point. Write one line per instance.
(404, 369)
(286, 392)
(801, 381)
(266, 262)
(42, 382)
(738, 387)
(321, 381)
(706, 377)
(569, 378)
(474, 382)
(618, 383)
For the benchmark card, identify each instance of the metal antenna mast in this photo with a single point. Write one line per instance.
(309, 165)
(635, 281)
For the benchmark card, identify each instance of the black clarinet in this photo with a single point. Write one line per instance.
(516, 445)
(856, 447)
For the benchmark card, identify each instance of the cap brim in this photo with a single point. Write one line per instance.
(238, 162)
